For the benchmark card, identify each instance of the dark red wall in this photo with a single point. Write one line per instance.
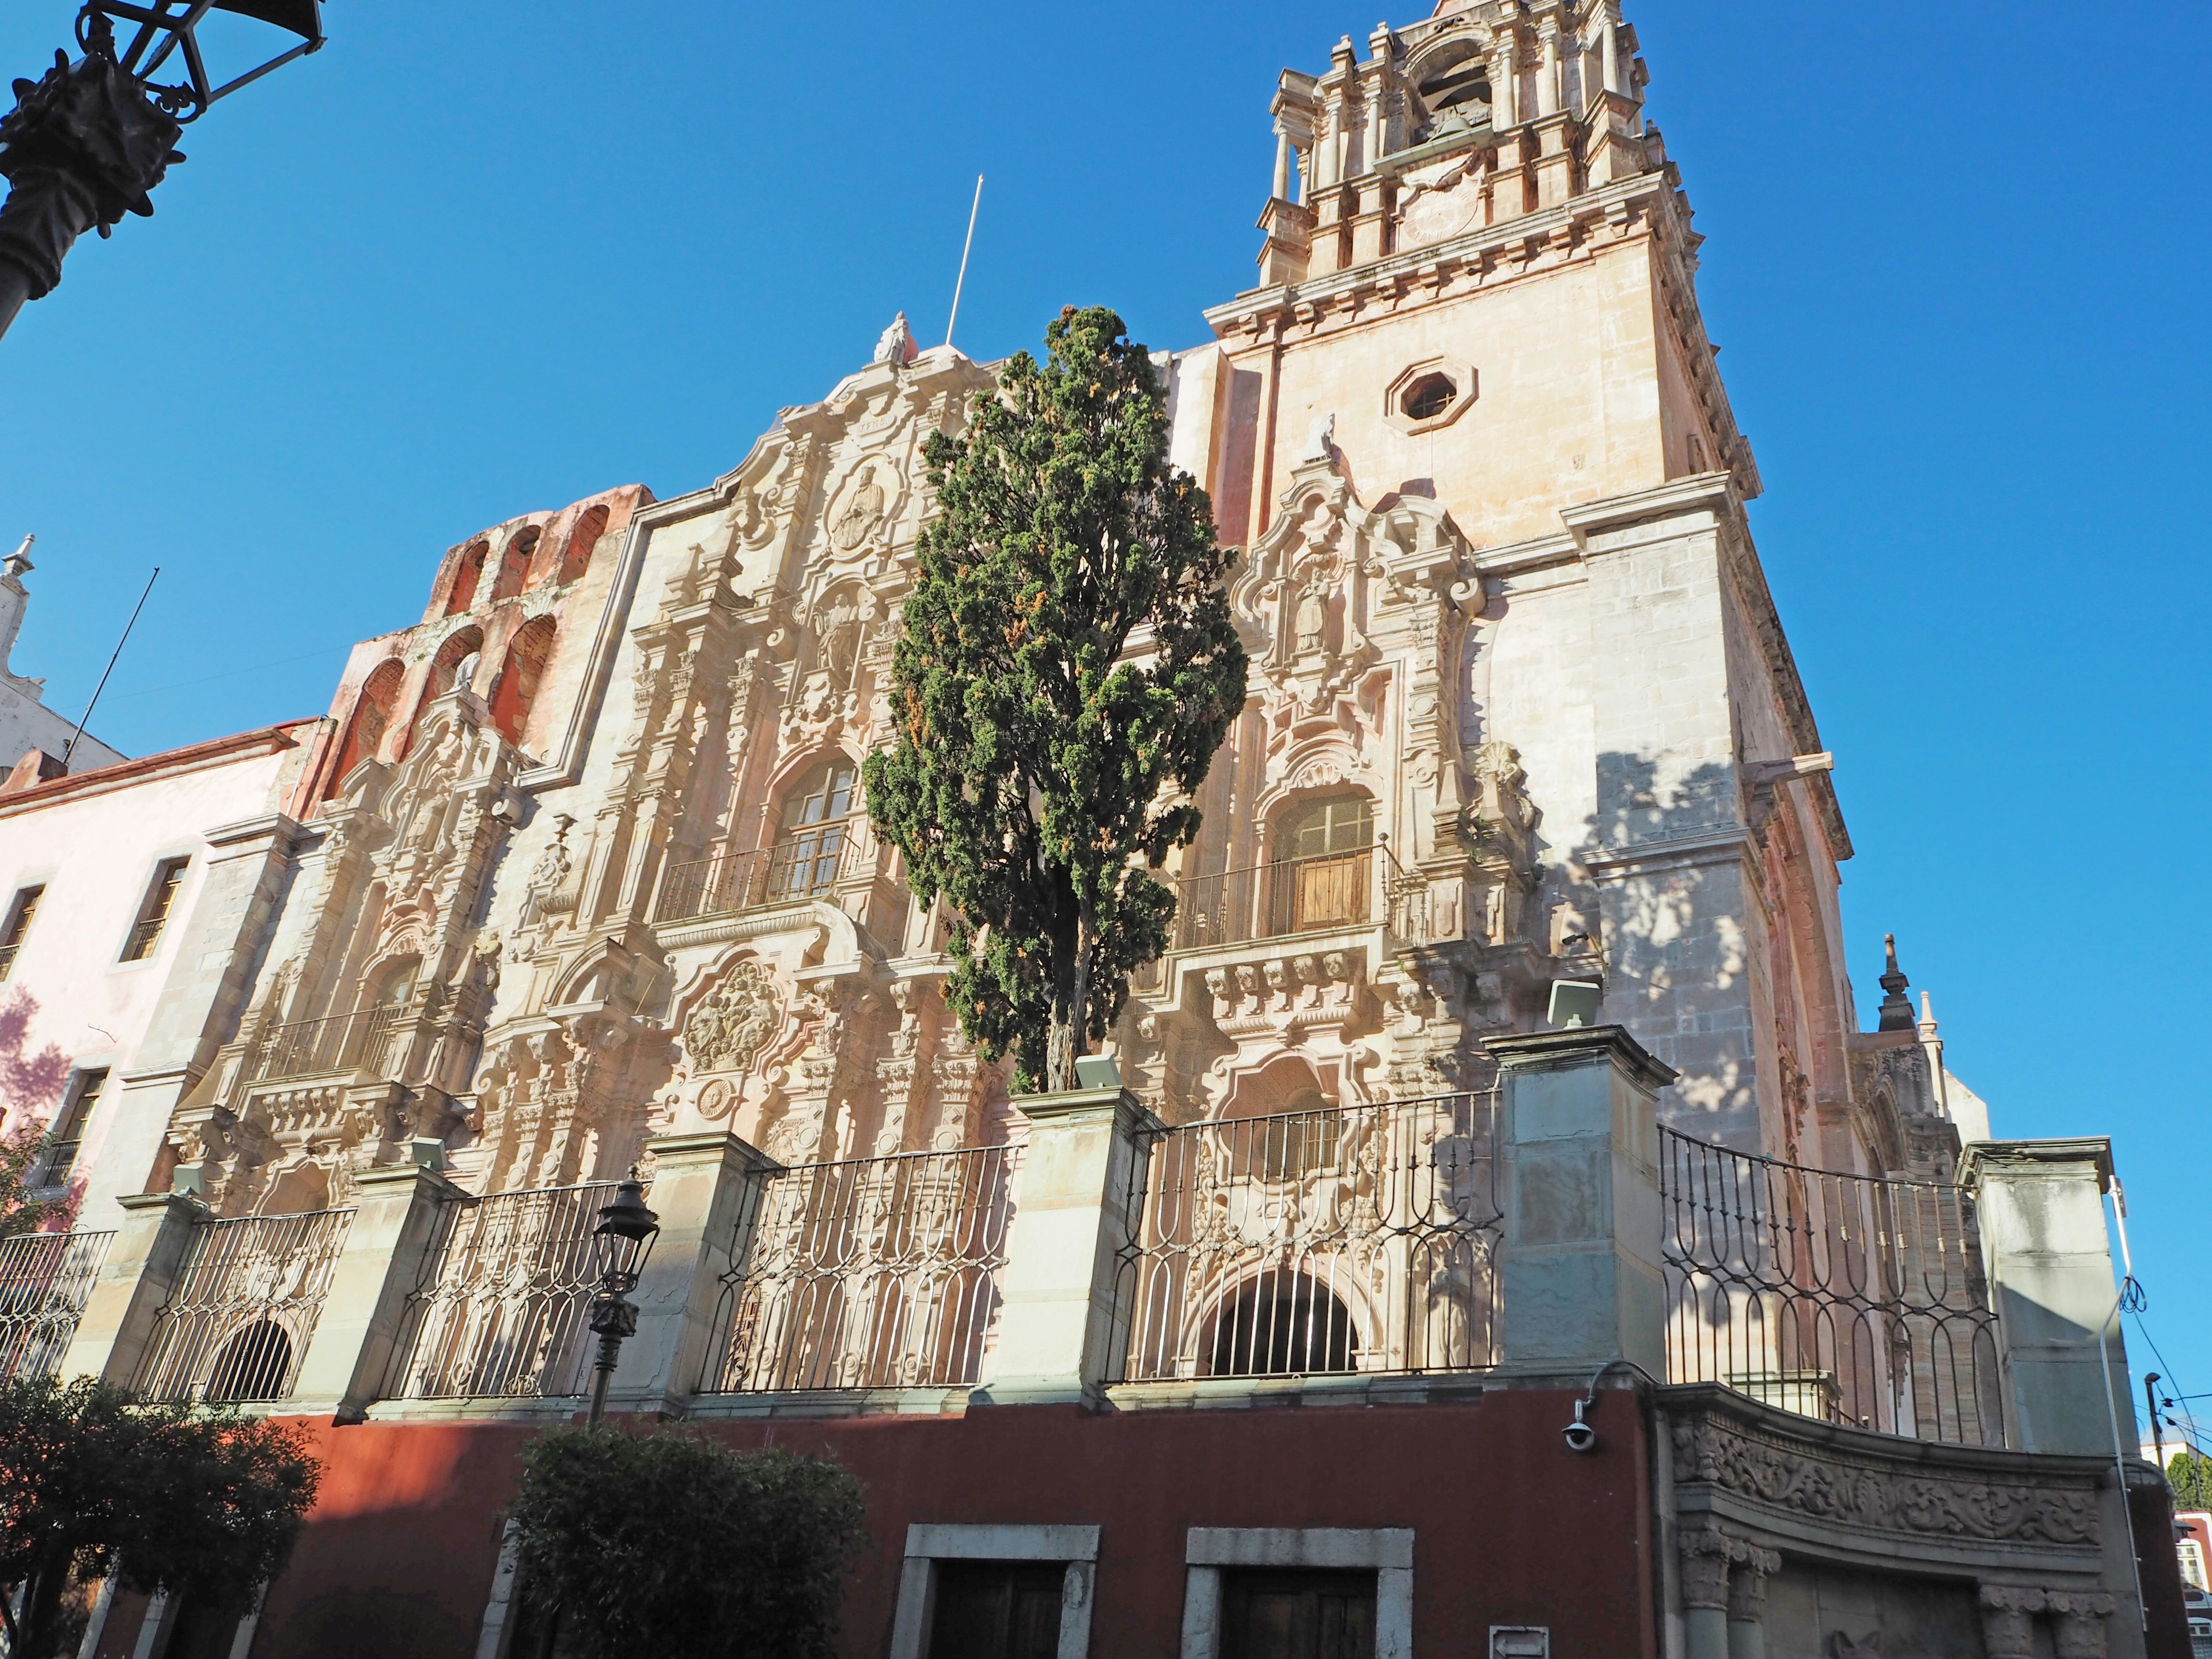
(1509, 1528)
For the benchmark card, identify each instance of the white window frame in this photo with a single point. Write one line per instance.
(1388, 1552)
(927, 1545)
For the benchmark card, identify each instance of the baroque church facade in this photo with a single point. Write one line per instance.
(588, 860)
(577, 876)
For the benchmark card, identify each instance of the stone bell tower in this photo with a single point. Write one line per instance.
(1501, 594)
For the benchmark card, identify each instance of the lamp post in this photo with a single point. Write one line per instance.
(88, 142)
(621, 1243)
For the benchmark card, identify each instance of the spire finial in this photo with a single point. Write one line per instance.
(1896, 1006)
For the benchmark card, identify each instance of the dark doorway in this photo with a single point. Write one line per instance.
(997, 1610)
(1297, 1615)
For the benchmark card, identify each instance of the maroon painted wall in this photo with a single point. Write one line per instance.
(1509, 1528)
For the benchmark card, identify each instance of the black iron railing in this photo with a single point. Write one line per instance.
(45, 1279)
(243, 1310)
(1356, 1239)
(1853, 1298)
(726, 882)
(1295, 896)
(338, 1042)
(873, 1274)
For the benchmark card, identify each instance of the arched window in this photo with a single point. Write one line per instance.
(255, 1364)
(1322, 878)
(517, 688)
(467, 575)
(372, 718)
(445, 667)
(576, 556)
(514, 565)
(810, 846)
(1282, 1324)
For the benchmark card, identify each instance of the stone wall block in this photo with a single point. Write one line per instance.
(1582, 1279)
(394, 1228)
(707, 1189)
(1058, 1339)
(142, 1267)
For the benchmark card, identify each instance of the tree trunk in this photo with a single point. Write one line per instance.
(1064, 1041)
(1080, 1002)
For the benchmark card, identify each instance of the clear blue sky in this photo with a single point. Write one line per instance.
(465, 264)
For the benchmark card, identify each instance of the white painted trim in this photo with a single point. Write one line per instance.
(1389, 1551)
(499, 1606)
(153, 1627)
(927, 1545)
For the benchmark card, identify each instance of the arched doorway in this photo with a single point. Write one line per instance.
(1281, 1324)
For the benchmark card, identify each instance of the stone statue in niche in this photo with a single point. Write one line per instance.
(863, 513)
(1312, 620)
(725, 1031)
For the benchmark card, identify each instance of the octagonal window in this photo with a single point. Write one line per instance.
(1428, 397)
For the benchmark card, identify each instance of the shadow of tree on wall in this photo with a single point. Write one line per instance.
(1662, 980)
(376, 1624)
(30, 1089)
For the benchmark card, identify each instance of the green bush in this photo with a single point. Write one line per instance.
(93, 1481)
(670, 1545)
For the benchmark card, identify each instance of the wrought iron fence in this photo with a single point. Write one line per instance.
(45, 1279)
(501, 1308)
(1292, 896)
(1858, 1299)
(873, 1273)
(727, 882)
(240, 1317)
(1355, 1239)
(339, 1042)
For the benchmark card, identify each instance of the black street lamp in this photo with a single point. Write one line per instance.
(86, 144)
(620, 1245)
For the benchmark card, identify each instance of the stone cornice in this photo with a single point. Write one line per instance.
(150, 768)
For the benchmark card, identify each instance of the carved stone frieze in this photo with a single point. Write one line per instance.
(729, 1027)
(1858, 1492)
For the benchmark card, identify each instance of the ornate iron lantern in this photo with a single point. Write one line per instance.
(88, 142)
(621, 1243)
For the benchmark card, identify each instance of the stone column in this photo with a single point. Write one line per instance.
(1058, 1339)
(2041, 1209)
(136, 1280)
(1746, 1602)
(1704, 1554)
(2078, 1622)
(2008, 1620)
(1582, 1281)
(394, 1229)
(707, 1190)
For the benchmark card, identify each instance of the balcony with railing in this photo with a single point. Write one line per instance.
(874, 1274)
(369, 1040)
(728, 882)
(45, 1279)
(1355, 1240)
(1289, 897)
(243, 1308)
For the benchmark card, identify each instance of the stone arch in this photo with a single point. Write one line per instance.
(255, 1364)
(1280, 1322)
(468, 575)
(515, 692)
(583, 536)
(514, 562)
(371, 719)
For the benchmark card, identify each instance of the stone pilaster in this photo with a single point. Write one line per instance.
(707, 1192)
(1583, 1283)
(394, 1228)
(2041, 1209)
(1057, 1333)
(136, 1280)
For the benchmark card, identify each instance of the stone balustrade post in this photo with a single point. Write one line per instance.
(1058, 1336)
(395, 1227)
(1581, 1278)
(2041, 1211)
(707, 1189)
(141, 1271)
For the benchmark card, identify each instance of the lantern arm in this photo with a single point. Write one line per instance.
(162, 33)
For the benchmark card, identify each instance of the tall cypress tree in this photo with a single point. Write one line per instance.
(1067, 670)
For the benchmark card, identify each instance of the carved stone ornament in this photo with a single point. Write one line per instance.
(725, 1031)
(1862, 1494)
(862, 514)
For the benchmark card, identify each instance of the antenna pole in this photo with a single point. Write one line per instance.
(968, 248)
(102, 686)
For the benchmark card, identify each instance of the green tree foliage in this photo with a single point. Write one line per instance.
(1036, 773)
(682, 1548)
(2191, 1477)
(92, 1481)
